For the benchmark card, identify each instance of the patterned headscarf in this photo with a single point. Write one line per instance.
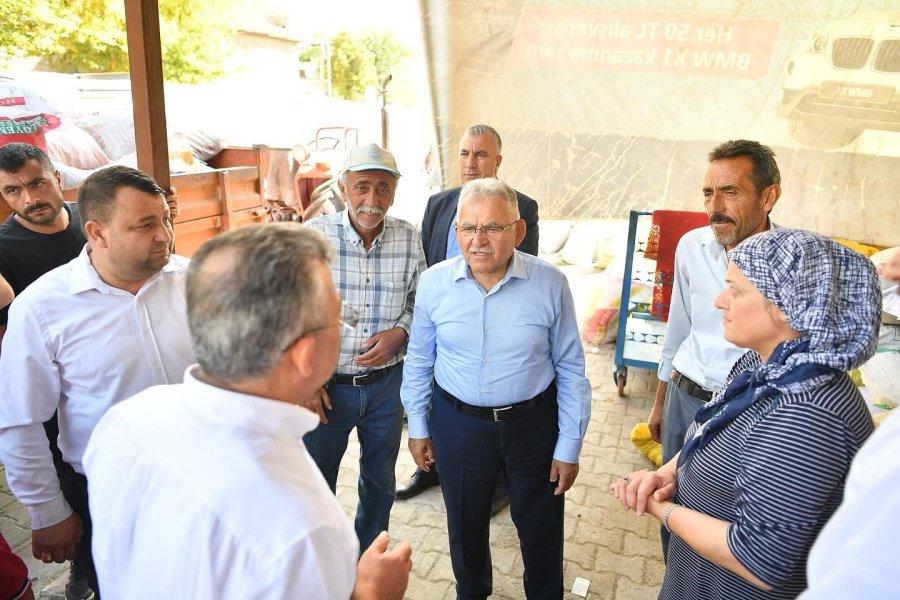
(829, 293)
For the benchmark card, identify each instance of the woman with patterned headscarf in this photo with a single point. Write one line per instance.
(763, 466)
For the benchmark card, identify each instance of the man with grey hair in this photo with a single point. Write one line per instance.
(215, 467)
(376, 268)
(494, 382)
(480, 155)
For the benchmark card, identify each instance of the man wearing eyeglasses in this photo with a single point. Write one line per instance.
(495, 381)
(204, 486)
(376, 268)
(479, 156)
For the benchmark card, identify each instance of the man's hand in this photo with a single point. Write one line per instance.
(422, 452)
(656, 413)
(382, 347)
(382, 575)
(172, 201)
(317, 402)
(563, 474)
(57, 542)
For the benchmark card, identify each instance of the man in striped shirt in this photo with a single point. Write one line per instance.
(376, 268)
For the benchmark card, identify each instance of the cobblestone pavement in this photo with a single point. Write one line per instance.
(618, 553)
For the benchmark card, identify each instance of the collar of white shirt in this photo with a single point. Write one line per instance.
(244, 411)
(84, 277)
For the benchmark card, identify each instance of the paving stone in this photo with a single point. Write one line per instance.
(634, 545)
(627, 589)
(602, 585)
(581, 555)
(13, 532)
(631, 567)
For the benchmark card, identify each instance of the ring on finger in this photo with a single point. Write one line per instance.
(627, 478)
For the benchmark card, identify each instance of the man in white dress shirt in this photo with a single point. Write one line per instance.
(209, 481)
(90, 333)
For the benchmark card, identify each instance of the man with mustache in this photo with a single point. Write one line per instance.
(44, 231)
(494, 382)
(741, 187)
(104, 326)
(480, 155)
(376, 268)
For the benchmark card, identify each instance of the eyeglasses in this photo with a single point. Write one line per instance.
(348, 322)
(488, 230)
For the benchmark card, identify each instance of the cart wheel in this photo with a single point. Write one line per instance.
(621, 378)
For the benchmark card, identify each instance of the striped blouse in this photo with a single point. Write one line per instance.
(776, 473)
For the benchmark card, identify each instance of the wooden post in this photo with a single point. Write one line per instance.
(148, 100)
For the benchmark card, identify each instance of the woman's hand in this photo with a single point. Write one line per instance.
(635, 489)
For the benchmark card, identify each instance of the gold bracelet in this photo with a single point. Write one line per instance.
(665, 519)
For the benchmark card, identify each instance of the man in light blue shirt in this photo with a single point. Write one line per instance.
(494, 380)
(741, 186)
(740, 189)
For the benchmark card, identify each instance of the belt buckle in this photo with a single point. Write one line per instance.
(498, 412)
(355, 377)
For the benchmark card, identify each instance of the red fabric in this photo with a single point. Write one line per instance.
(13, 573)
(668, 227)
(27, 128)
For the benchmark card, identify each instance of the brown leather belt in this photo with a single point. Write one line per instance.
(691, 387)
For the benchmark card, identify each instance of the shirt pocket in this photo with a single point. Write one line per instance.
(392, 299)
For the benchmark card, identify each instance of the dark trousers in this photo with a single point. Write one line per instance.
(75, 490)
(471, 452)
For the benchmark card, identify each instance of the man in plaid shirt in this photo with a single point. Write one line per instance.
(376, 268)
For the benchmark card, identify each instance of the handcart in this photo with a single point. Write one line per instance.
(640, 334)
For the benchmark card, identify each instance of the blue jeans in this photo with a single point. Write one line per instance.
(377, 414)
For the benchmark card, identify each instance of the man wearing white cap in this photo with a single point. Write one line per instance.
(376, 268)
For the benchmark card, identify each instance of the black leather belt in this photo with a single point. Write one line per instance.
(509, 412)
(694, 389)
(363, 379)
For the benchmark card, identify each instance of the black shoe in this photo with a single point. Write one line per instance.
(501, 501)
(77, 587)
(418, 483)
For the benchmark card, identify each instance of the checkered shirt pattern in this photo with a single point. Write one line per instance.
(380, 284)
